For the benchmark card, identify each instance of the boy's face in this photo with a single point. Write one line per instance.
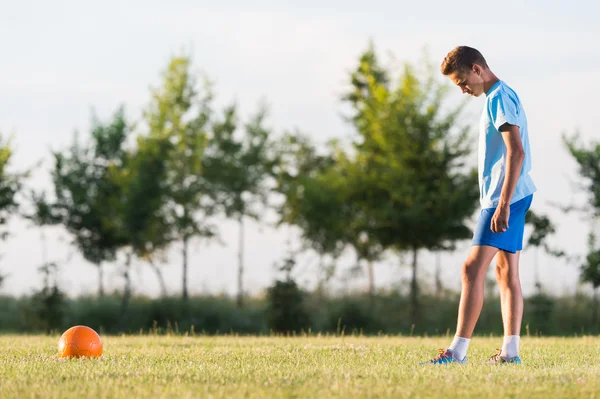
(470, 82)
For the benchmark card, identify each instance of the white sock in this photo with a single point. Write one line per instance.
(459, 347)
(510, 347)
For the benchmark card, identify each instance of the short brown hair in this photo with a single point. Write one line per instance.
(461, 59)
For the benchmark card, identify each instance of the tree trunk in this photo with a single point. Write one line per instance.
(439, 287)
(100, 280)
(595, 311)
(240, 295)
(536, 270)
(414, 287)
(371, 275)
(321, 277)
(184, 254)
(45, 258)
(161, 280)
(126, 293)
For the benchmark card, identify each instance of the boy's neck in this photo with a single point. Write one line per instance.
(489, 81)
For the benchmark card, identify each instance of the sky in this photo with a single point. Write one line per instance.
(63, 59)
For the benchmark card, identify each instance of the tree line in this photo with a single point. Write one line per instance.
(399, 184)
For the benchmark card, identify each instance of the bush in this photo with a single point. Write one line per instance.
(285, 308)
(353, 316)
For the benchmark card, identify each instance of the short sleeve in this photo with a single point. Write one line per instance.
(503, 109)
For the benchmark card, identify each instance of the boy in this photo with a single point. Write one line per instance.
(506, 192)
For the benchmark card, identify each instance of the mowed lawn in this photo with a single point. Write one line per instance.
(310, 367)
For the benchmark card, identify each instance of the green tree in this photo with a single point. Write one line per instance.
(83, 195)
(312, 199)
(286, 311)
(49, 301)
(542, 228)
(10, 184)
(590, 273)
(147, 193)
(141, 208)
(180, 113)
(588, 161)
(543, 304)
(355, 221)
(408, 172)
(238, 167)
(106, 197)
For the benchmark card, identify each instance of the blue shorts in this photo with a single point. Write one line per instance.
(512, 239)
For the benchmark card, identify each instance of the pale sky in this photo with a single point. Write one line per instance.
(61, 59)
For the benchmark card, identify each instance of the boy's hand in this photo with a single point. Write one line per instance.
(500, 219)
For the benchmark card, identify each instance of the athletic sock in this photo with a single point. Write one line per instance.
(459, 347)
(510, 347)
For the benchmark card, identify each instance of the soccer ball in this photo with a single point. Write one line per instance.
(80, 341)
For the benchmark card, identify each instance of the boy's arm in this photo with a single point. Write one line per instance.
(514, 162)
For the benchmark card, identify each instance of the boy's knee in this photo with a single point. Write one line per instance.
(505, 274)
(472, 271)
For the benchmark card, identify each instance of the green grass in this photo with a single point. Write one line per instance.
(330, 367)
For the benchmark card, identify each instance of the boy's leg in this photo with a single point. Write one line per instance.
(473, 282)
(511, 300)
(507, 274)
(471, 302)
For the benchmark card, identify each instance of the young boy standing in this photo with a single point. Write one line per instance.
(506, 192)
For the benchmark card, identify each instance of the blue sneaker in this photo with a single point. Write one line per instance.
(445, 357)
(498, 359)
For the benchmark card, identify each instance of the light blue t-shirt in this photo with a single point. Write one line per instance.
(502, 105)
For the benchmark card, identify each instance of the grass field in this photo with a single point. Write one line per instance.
(261, 367)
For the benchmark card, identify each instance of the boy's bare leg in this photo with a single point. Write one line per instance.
(471, 297)
(511, 300)
(473, 282)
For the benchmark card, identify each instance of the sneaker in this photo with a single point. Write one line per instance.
(498, 359)
(445, 357)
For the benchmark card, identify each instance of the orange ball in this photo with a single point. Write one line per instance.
(80, 341)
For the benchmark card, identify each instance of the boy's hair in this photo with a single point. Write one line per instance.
(461, 59)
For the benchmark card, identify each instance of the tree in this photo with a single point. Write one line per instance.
(312, 199)
(588, 160)
(10, 185)
(140, 210)
(543, 304)
(285, 310)
(84, 195)
(542, 228)
(180, 113)
(408, 173)
(140, 204)
(238, 168)
(356, 220)
(590, 273)
(49, 301)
